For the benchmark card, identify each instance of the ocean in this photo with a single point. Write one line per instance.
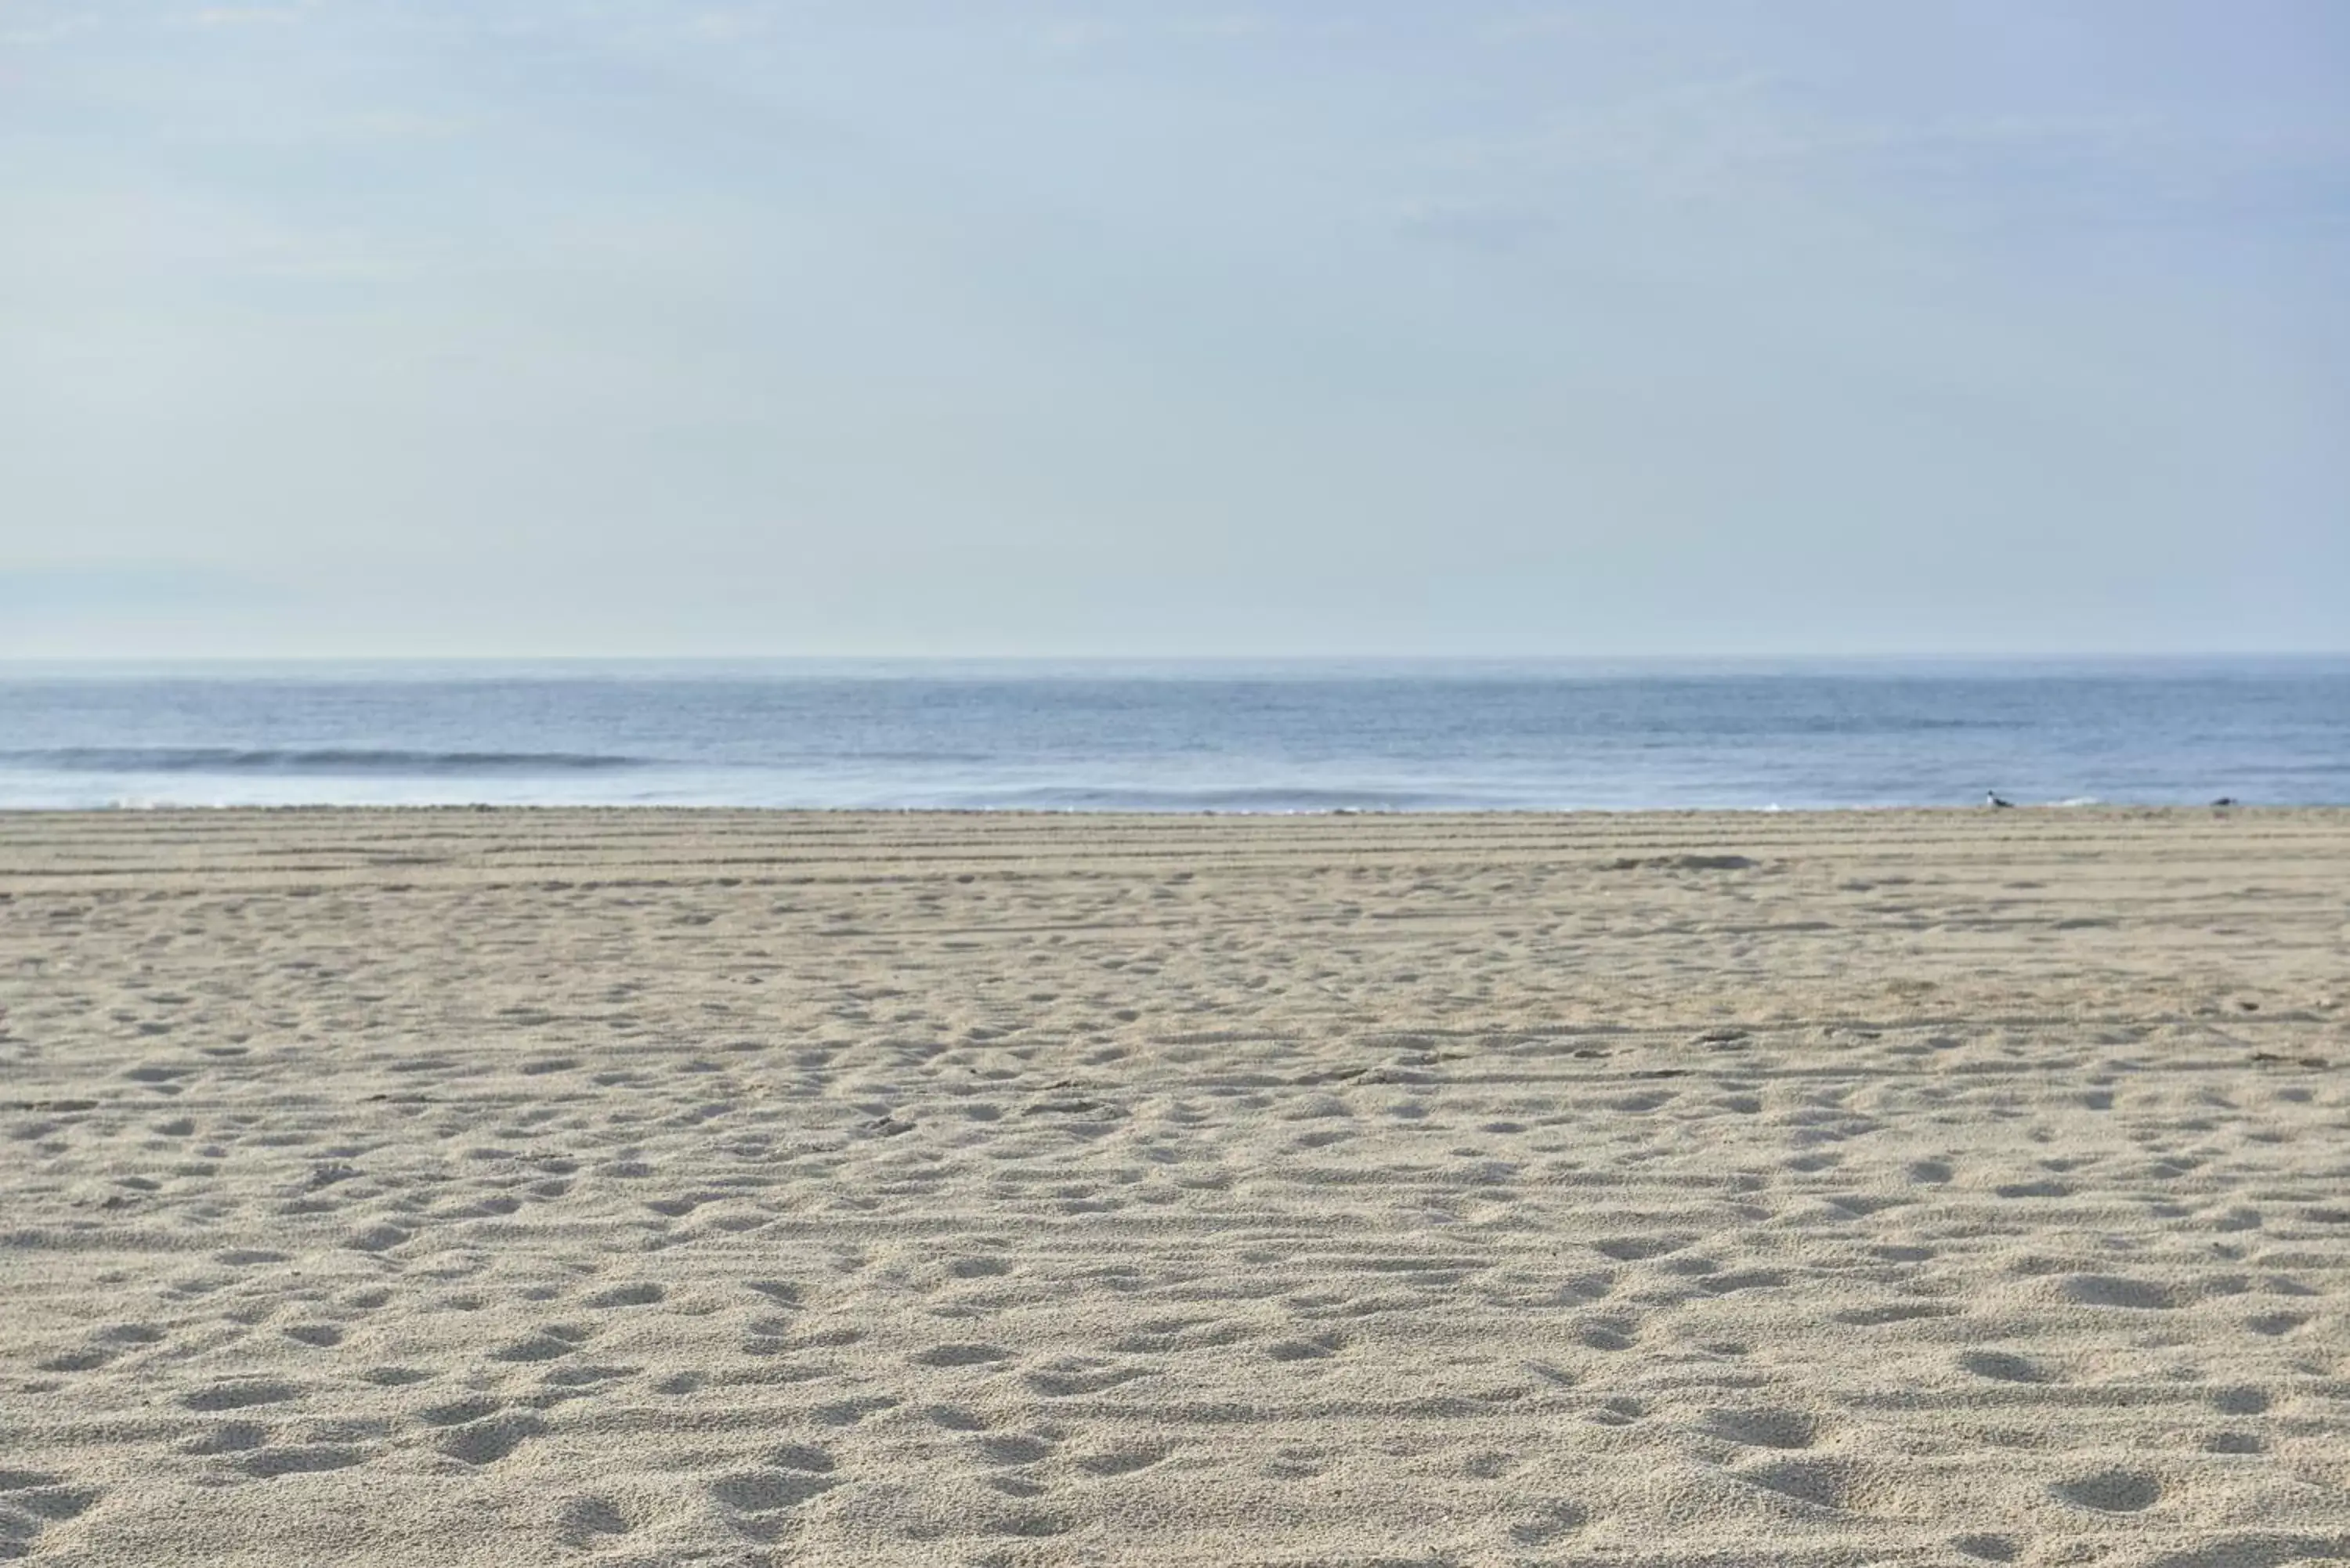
(1264, 737)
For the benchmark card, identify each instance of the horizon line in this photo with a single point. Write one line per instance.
(1109, 659)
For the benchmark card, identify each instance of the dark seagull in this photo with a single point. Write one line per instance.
(1990, 797)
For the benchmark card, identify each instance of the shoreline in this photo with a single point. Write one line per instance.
(1090, 814)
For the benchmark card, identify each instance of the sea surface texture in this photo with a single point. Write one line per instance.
(1201, 737)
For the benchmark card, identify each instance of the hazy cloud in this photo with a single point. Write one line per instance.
(610, 325)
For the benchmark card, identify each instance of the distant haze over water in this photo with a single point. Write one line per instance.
(1299, 736)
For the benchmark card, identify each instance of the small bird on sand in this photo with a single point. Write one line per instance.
(1990, 797)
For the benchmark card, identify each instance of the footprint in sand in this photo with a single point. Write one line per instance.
(1821, 1484)
(643, 1293)
(2002, 1366)
(1893, 1312)
(547, 1344)
(130, 1334)
(268, 1464)
(1549, 1522)
(1763, 1428)
(1120, 1461)
(457, 1412)
(105, 1346)
(396, 1377)
(1014, 1448)
(485, 1442)
(1031, 1526)
(1606, 1333)
(756, 1502)
(228, 1438)
(377, 1239)
(1319, 1347)
(961, 1355)
(848, 1412)
(1072, 1376)
(2112, 1291)
(32, 1501)
(2111, 1491)
(239, 1396)
(583, 1520)
(954, 1419)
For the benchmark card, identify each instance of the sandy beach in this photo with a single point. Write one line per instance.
(454, 1187)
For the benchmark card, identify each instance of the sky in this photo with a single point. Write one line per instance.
(619, 327)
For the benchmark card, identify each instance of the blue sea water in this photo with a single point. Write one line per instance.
(1179, 737)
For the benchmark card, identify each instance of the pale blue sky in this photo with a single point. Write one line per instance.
(616, 327)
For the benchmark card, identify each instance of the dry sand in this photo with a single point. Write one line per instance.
(448, 1186)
